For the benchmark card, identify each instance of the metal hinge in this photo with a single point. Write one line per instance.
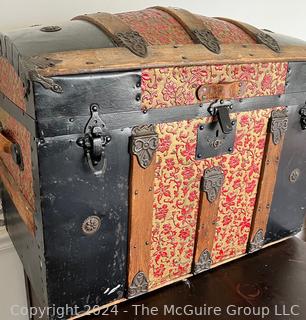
(95, 141)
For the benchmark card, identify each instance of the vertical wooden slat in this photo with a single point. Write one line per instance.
(266, 186)
(208, 211)
(141, 215)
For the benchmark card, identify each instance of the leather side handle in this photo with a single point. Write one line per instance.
(258, 35)
(121, 33)
(225, 90)
(9, 147)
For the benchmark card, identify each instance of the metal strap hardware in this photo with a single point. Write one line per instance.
(95, 141)
(279, 124)
(144, 144)
(258, 35)
(194, 26)
(120, 33)
(212, 182)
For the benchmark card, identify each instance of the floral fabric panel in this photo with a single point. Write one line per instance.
(226, 32)
(10, 84)
(157, 27)
(167, 87)
(177, 190)
(18, 133)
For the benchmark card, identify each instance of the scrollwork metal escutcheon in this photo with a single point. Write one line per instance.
(268, 41)
(133, 41)
(257, 242)
(139, 285)
(207, 39)
(144, 144)
(204, 262)
(279, 124)
(212, 182)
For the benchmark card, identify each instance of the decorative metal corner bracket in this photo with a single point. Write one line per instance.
(212, 182)
(257, 242)
(33, 64)
(139, 285)
(279, 124)
(144, 144)
(207, 39)
(268, 41)
(133, 41)
(204, 262)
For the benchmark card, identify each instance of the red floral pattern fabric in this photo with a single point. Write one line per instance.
(157, 27)
(10, 84)
(160, 28)
(166, 87)
(226, 32)
(176, 194)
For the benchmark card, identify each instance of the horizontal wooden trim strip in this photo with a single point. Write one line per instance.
(24, 209)
(115, 59)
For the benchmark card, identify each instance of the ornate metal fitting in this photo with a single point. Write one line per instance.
(303, 118)
(32, 64)
(258, 241)
(279, 124)
(91, 225)
(144, 144)
(95, 141)
(207, 39)
(267, 40)
(139, 285)
(212, 182)
(51, 29)
(204, 262)
(294, 175)
(133, 41)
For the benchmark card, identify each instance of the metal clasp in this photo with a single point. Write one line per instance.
(95, 141)
(222, 113)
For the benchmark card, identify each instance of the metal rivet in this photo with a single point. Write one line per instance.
(144, 111)
(147, 243)
(231, 107)
(233, 123)
(199, 155)
(71, 119)
(268, 205)
(136, 192)
(221, 101)
(268, 162)
(184, 58)
(230, 149)
(138, 84)
(94, 107)
(201, 127)
(91, 225)
(240, 100)
(150, 189)
(138, 97)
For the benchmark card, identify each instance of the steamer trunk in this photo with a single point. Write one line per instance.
(140, 148)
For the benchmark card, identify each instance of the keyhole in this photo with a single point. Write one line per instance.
(217, 133)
